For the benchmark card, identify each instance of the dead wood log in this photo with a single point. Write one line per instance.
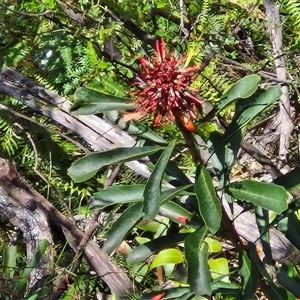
(22, 212)
(245, 225)
(30, 212)
(282, 123)
(97, 132)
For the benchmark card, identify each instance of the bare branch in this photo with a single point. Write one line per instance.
(31, 212)
(97, 132)
(282, 123)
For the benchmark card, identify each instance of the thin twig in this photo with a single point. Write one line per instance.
(261, 158)
(184, 29)
(90, 229)
(36, 156)
(168, 15)
(269, 76)
(16, 114)
(94, 223)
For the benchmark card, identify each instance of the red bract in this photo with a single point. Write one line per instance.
(165, 88)
(182, 219)
(158, 296)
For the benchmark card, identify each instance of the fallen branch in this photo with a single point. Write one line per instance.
(29, 211)
(19, 208)
(282, 123)
(97, 132)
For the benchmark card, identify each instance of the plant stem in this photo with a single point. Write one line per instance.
(190, 141)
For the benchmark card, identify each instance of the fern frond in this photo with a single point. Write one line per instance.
(17, 54)
(44, 82)
(203, 18)
(66, 55)
(9, 140)
(91, 54)
(44, 27)
(293, 8)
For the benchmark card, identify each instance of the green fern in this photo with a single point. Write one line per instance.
(203, 19)
(293, 8)
(43, 81)
(292, 22)
(66, 55)
(16, 55)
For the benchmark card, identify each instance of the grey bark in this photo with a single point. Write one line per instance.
(97, 132)
(21, 211)
(282, 123)
(30, 212)
(245, 224)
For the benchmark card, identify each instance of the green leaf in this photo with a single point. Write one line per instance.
(226, 146)
(142, 252)
(139, 272)
(174, 173)
(187, 296)
(87, 102)
(275, 292)
(32, 263)
(161, 4)
(10, 260)
(172, 293)
(219, 268)
(33, 297)
(152, 193)
(118, 194)
(150, 226)
(175, 212)
(250, 275)
(208, 202)
(243, 88)
(227, 289)
(288, 278)
(214, 245)
(196, 254)
(131, 193)
(122, 226)
(88, 166)
(267, 195)
(245, 113)
(170, 194)
(167, 256)
(255, 106)
(290, 227)
(138, 129)
(279, 293)
(163, 228)
(222, 157)
(142, 240)
(290, 181)
(134, 128)
(66, 54)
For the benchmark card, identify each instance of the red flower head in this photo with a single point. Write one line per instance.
(165, 88)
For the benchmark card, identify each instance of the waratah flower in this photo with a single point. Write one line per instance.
(165, 90)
